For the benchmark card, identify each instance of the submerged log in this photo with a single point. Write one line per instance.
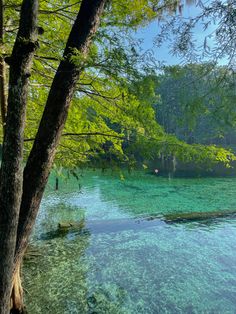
(123, 224)
(104, 226)
(197, 216)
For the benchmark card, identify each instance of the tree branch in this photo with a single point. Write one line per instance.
(82, 134)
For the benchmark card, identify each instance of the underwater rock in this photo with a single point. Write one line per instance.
(71, 225)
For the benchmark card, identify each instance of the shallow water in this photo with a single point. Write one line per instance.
(134, 266)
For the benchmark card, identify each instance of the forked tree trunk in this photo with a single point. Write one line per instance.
(11, 169)
(41, 157)
(42, 154)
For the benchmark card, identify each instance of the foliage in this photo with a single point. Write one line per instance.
(169, 146)
(199, 107)
(112, 111)
(216, 20)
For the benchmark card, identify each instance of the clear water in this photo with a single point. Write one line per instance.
(153, 268)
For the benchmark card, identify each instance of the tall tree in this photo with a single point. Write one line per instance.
(11, 169)
(13, 241)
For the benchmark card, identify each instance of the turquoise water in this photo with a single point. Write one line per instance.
(127, 263)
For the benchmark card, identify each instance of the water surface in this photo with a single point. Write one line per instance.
(130, 264)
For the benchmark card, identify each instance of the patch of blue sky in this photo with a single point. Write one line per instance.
(164, 53)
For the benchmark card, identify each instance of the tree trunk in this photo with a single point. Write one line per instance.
(3, 97)
(42, 154)
(53, 120)
(17, 303)
(11, 170)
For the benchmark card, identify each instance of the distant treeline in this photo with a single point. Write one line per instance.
(195, 104)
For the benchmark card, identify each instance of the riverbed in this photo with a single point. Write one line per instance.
(136, 260)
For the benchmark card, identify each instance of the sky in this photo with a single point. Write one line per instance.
(163, 54)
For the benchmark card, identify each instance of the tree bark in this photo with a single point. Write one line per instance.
(11, 177)
(17, 302)
(53, 120)
(3, 97)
